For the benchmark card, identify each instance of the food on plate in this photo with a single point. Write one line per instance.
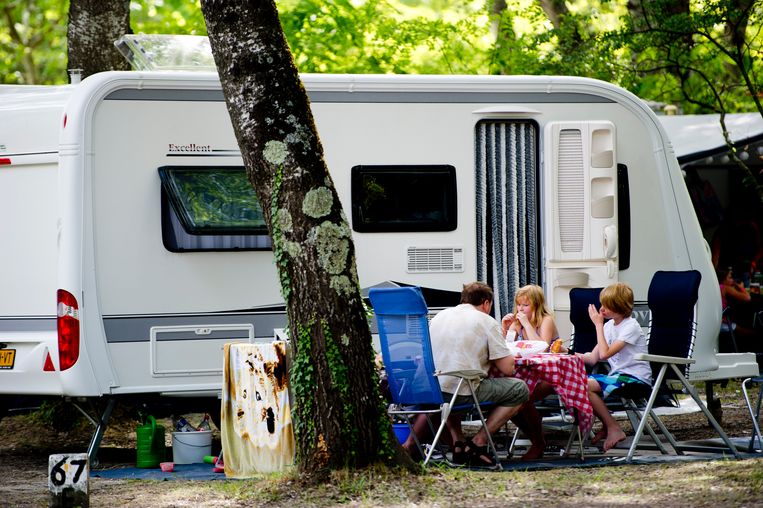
(527, 348)
(557, 346)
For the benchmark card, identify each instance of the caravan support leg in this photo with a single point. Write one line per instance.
(100, 428)
(713, 404)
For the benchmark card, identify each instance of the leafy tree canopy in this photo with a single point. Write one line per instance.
(662, 50)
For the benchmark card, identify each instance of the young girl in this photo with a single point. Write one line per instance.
(618, 341)
(531, 319)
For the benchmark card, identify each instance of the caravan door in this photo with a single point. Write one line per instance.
(580, 195)
(508, 232)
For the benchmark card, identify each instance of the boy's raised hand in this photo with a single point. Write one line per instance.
(595, 315)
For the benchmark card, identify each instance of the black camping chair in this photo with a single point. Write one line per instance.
(583, 337)
(672, 300)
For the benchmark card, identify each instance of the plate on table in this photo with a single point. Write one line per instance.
(527, 348)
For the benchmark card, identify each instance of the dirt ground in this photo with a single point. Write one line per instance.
(26, 445)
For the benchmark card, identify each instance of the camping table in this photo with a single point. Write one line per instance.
(566, 373)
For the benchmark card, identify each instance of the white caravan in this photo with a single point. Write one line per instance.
(133, 248)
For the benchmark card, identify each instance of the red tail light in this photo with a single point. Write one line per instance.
(68, 329)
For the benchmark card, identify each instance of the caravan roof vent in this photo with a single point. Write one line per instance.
(153, 52)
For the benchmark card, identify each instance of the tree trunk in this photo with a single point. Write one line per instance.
(555, 10)
(497, 8)
(94, 25)
(340, 419)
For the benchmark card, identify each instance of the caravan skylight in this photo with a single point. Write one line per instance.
(155, 52)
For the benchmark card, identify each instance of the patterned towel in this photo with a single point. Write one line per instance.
(257, 434)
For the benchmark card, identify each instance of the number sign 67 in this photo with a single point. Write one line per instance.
(66, 471)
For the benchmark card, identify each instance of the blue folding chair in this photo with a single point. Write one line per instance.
(672, 300)
(401, 316)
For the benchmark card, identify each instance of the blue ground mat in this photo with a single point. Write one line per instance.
(614, 458)
(181, 472)
(204, 472)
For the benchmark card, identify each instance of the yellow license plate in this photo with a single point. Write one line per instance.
(7, 358)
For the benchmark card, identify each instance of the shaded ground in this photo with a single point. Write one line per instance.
(26, 445)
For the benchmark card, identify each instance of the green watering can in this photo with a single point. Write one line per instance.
(150, 444)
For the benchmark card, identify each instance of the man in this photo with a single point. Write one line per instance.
(467, 337)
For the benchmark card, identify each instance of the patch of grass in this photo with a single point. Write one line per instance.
(696, 484)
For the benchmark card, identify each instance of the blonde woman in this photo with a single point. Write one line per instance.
(531, 319)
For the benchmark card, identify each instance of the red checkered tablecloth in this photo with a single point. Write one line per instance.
(566, 373)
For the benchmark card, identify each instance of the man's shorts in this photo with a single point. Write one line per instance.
(501, 391)
(611, 382)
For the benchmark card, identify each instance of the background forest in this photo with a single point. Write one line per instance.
(701, 56)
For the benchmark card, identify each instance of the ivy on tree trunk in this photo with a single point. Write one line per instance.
(340, 419)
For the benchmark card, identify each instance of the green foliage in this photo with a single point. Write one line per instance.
(691, 57)
(302, 379)
(341, 382)
(379, 36)
(280, 255)
(527, 42)
(32, 42)
(167, 17)
(57, 414)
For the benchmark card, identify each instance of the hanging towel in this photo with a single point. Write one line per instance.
(256, 434)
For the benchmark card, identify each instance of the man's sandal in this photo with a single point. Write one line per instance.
(460, 457)
(479, 456)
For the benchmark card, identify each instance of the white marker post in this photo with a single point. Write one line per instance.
(68, 484)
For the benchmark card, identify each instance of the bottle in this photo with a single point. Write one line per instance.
(182, 425)
(204, 425)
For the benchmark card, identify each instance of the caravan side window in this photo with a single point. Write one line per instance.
(389, 199)
(210, 208)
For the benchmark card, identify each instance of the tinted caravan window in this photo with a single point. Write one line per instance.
(403, 198)
(210, 208)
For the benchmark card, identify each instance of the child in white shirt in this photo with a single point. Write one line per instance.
(618, 341)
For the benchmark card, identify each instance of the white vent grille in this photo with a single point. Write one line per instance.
(435, 259)
(571, 190)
